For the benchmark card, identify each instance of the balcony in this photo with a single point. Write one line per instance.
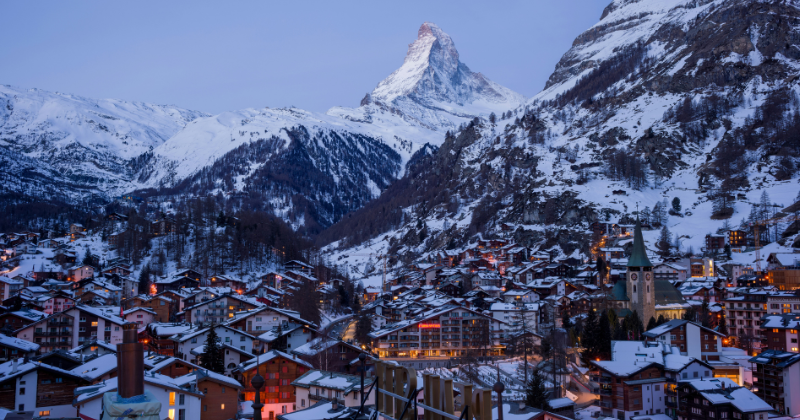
(671, 404)
(52, 334)
(606, 391)
(60, 323)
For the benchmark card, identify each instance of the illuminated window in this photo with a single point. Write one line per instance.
(222, 406)
(94, 323)
(171, 414)
(44, 413)
(171, 399)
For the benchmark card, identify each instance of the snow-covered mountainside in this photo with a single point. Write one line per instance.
(55, 145)
(307, 167)
(690, 99)
(339, 160)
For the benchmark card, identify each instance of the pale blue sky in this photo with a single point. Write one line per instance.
(218, 56)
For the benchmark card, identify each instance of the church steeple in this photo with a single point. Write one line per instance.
(640, 283)
(638, 254)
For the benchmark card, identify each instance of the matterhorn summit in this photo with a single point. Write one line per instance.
(433, 88)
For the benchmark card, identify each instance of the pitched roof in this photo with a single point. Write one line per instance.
(638, 254)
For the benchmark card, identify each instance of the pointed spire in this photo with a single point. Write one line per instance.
(638, 255)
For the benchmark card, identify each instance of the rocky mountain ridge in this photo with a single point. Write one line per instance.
(688, 99)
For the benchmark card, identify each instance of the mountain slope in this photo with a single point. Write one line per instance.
(78, 144)
(254, 151)
(659, 100)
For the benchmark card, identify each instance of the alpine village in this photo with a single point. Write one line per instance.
(624, 244)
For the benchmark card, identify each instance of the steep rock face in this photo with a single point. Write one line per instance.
(432, 73)
(656, 100)
(434, 89)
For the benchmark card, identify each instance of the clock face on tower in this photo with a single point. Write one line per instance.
(634, 276)
(647, 276)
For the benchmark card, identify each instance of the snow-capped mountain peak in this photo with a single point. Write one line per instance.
(432, 52)
(432, 76)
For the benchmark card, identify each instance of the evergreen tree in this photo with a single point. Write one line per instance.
(664, 242)
(281, 343)
(211, 358)
(547, 347)
(87, 259)
(144, 280)
(660, 320)
(509, 285)
(690, 314)
(305, 300)
(652, 323)
(645, 215)
(704, 316)
(723, 325)
(536, 394)
(676, 205)
(604, 337)
(363, 328)
(589, 338)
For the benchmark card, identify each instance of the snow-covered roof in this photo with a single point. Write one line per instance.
(784, 321)
(18, 343)
(168, 329)
(268, 356)
(202, 374)
(560, 403)
(97, 367)
(331, 380)
(320, 410)
(91, 392)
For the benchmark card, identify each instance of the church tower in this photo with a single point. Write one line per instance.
(640, 285)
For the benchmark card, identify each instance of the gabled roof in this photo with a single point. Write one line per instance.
(676, 323)
(201, 375)
(269, 356)
(331, 380)
(18, 343)
(97, 367)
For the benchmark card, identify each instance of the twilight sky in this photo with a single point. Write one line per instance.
(218, 56)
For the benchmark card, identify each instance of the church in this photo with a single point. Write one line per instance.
(641, 292)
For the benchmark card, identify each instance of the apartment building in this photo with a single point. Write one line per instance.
(38, 388)
(719, 398)
(641, 378)
(196, 337)
(317, 385)
(74, 327)
(691, 338)
(279, 370)
(780, 332)
(217, 310)
(744, 308)
(10, 287)
(449, 331)
(776, 379)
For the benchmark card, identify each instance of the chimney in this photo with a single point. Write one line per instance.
(130, 362)
(335, 404)
(14, 366)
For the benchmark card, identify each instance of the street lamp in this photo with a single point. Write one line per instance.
(257, 382)
(499, 388)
